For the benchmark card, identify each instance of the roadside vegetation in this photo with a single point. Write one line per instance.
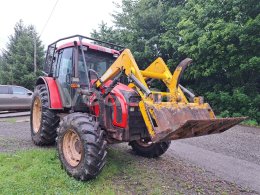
(251, 123)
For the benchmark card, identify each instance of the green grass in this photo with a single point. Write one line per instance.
(251, 122)
(39, 172)
(247, 122)
(10, 120)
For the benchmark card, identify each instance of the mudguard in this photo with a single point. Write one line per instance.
(53, 92)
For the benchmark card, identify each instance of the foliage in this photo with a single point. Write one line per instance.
(17, 61)
(222, 38)
(250, 122)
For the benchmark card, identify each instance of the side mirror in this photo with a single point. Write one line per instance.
(29, 93)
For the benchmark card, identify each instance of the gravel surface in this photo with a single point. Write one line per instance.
(233, 155)
(15, 134)
(239, 142)
(174, 176)
(171, 172)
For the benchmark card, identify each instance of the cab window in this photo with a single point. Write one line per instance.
(96, 60)
(64, 63)
(64, 73)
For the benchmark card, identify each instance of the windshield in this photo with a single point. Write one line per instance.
(96, 60)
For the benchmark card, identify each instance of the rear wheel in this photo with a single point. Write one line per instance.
(81, 146)
(145, 148)
(44, 121)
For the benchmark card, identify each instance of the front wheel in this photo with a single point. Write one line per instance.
(81, 146)
(148, 149)
(44, 121)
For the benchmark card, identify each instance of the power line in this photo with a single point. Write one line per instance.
(47, 21)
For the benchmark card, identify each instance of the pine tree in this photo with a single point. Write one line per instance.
(17, 61)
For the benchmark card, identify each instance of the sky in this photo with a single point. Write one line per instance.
(69, 17)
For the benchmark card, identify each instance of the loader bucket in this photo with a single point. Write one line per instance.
(171, 123)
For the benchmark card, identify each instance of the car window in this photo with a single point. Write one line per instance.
(19, 90)
(3, 89)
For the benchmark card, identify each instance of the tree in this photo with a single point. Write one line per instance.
(17, 61)
(222, 38)
(107, 34)
(138, 27)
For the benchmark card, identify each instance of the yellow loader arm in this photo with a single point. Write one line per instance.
(168, 115)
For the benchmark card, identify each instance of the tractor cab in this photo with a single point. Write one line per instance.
(77, 64)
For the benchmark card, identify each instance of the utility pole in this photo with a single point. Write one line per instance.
(34, 55)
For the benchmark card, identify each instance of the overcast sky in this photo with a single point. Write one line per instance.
(69, 17)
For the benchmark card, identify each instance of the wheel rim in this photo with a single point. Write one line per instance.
(72, 148)
(37, 114)
(144, 143)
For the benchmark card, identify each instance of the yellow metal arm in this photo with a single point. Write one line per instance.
(169, 119)
(156, 70)
(159, 70)
(125, 62)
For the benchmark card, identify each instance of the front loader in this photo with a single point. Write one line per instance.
(92, 96)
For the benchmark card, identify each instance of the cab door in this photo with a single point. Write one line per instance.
(63, 74)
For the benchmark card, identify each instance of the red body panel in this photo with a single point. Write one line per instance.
(124, 108)
(123, 102)
(54, 95)
(56, 103)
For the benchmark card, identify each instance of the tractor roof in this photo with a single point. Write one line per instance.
(91, 46)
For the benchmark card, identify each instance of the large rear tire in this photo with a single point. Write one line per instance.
(81, 146)
(148, 149)
(44, 122)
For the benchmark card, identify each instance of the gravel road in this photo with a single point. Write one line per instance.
(227, 162)
(233, 155)
(15, 134)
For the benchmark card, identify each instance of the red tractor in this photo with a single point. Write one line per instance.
(92, 95)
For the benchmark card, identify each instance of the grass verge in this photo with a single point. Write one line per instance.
(38, 171)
